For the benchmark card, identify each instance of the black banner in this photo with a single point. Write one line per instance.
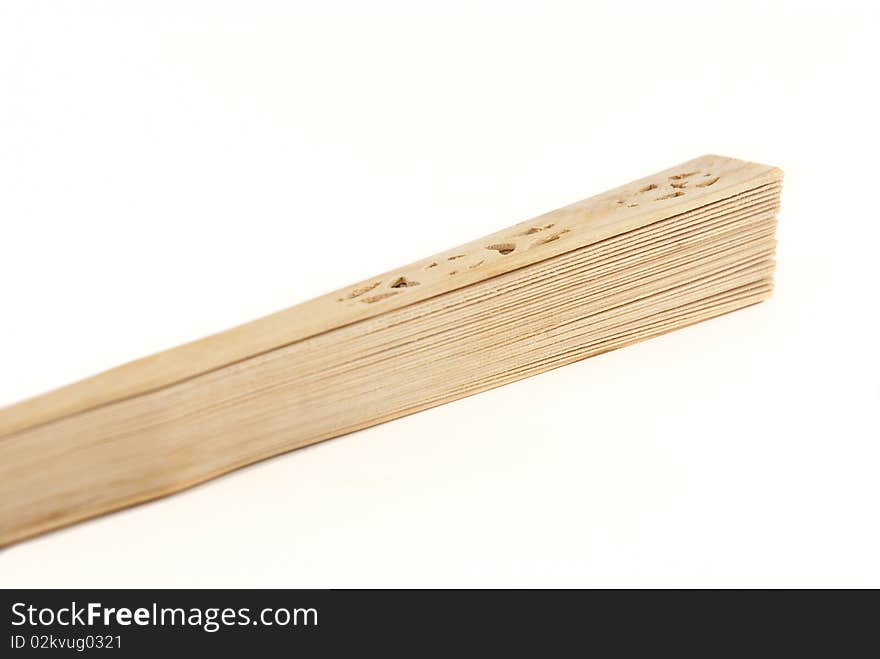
(123, 623)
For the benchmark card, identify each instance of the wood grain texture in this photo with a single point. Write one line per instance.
(637, 204)
(684, 245)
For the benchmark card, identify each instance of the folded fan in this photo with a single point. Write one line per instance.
(682, 246)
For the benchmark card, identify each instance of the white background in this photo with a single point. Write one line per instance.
(170, 169)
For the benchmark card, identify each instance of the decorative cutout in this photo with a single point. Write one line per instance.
(379, 297)
(537, 229)
(550, 238)
(502, 248)
(677, 193)
(360, 291)
(678, 183)
(403, 282)
(457, 256)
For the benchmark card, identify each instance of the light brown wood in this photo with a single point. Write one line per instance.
(684, 245)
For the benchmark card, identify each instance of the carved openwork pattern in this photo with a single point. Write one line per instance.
(670, 187)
